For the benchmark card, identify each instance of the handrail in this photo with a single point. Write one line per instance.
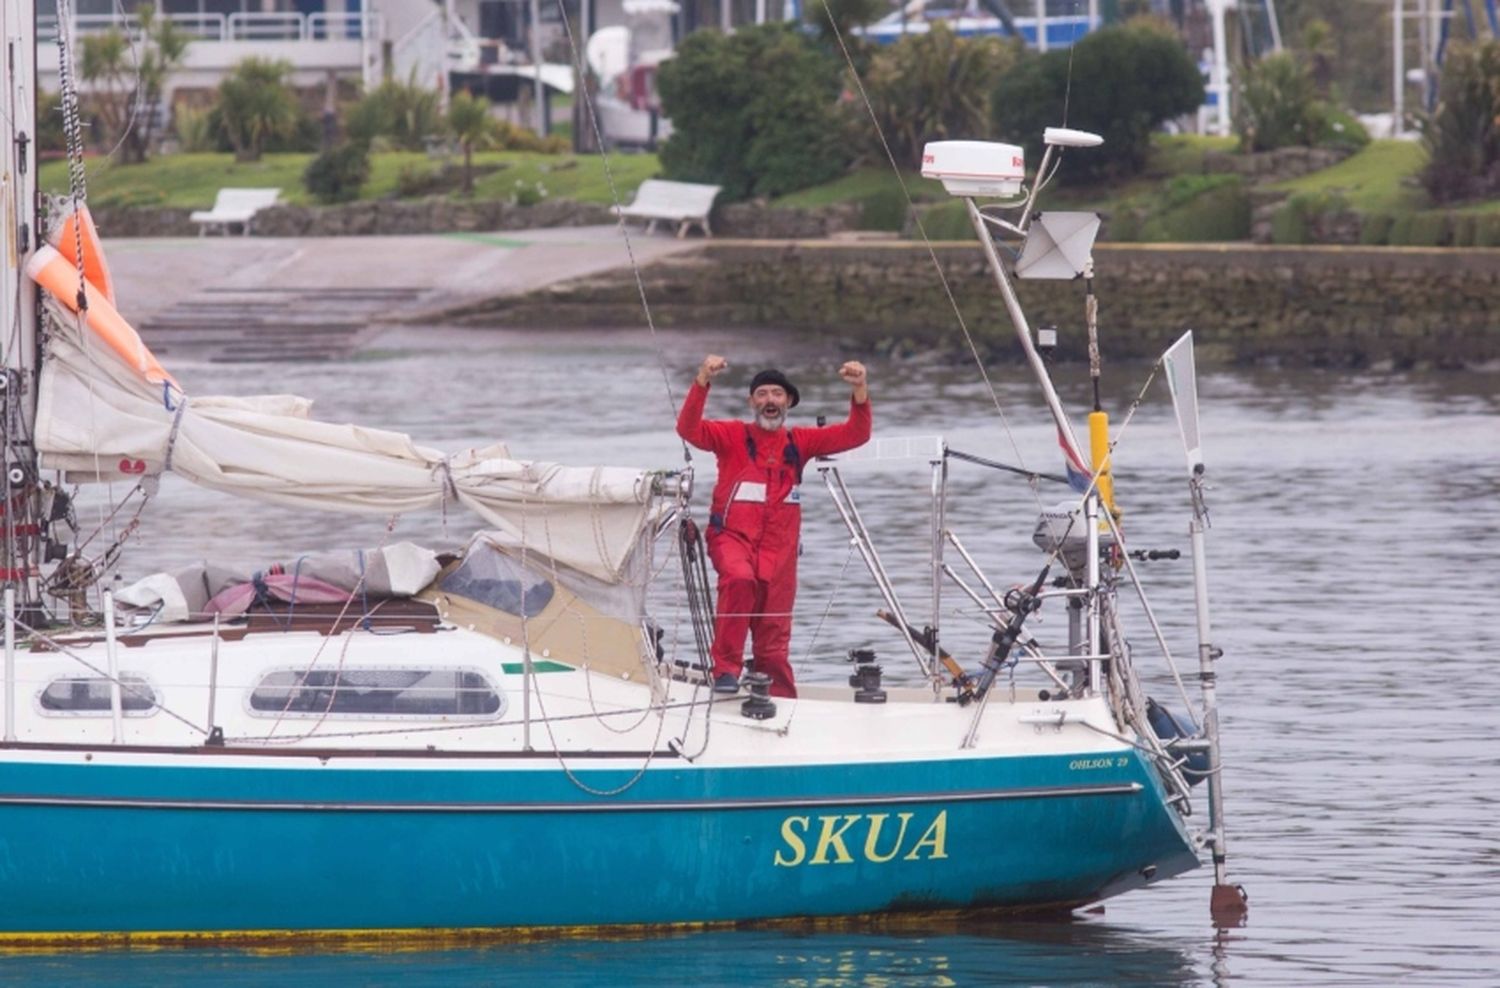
(335, 27)
(289, 26)
(239, 26)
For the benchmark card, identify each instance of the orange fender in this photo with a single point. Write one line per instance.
(59, 277)
(66, 240)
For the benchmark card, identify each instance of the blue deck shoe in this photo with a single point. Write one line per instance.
(726, 682)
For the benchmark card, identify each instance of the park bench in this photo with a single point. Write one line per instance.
(234, 206)
(683, 203)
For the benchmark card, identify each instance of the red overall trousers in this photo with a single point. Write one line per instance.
(755, 526)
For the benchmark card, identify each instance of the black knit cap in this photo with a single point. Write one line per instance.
(780, 380)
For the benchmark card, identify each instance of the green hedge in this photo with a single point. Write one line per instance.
(946, 221)
(883, 209)
(1199, 209)
(1296, 220)
(1431, 229)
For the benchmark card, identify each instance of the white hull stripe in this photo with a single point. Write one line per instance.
(971, 796)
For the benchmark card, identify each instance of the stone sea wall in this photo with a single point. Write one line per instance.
(1303, 306)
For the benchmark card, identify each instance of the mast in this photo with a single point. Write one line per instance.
(19, 530)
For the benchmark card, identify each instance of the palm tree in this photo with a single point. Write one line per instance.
(127, 84)
(166, 44)
(470, 123)
(255, 106)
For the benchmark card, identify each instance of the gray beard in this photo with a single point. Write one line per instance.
(769, 424)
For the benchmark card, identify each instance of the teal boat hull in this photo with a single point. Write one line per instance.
(207, 846)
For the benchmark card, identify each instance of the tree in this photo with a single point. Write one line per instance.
(1279, 106)
(127, 81)
(1462, 136)
(471, 125)
(1126, 81)
(255, 106)
(1353, 58)
(734, 128)
(936, 86)
(835, 20)
(403, 115)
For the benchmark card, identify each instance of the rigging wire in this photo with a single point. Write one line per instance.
(580, 72)
(927, 242)
(295, 689)
(77, 197)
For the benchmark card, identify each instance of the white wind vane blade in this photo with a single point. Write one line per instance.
(1182, 381)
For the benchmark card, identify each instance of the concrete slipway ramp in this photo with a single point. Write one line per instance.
(321, 298)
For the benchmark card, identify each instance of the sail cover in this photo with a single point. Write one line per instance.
(100, 419)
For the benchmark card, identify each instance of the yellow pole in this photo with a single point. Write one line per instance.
(1099, 451)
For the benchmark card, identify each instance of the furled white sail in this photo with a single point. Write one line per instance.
(99, 419)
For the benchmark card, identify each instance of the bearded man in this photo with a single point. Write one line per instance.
(756, 515)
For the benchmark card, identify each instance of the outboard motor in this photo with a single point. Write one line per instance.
(1063, 529)
(1169, 727)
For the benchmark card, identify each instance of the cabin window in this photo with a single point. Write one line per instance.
(377, 693)
(494, 579)
(90, 695)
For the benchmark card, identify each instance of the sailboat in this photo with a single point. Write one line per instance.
(389, 742)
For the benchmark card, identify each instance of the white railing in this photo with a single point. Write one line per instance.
(289, 26)
(335, 27)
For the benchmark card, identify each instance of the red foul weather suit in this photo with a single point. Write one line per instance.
(755, 524)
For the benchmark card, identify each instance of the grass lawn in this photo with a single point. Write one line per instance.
(1379, 178)
(864, 183)
(192, 180)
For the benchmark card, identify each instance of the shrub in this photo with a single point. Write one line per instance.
(1400, 232)
(1428, 230)
(1126, 81)
(1463, 135)
(256, 106)
(1296, 221)
(1279, 106)
(1487, 230)
(1461, 230)
(1341, 130)
(1199, 209)
(401, 116)
(732, 129)
(1122, 226)
(1375, 230)
(338, 174)
(935, 86)
(945, 221)
(413, 181)
(50, 135)
(194, 128)
(526, 193)
(884, 209)
(513, 137)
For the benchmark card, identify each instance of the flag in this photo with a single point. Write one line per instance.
(1080, 477)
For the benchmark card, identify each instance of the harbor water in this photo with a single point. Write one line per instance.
(1354, 553)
